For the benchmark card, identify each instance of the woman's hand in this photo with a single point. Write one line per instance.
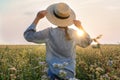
(39, 16)
(77, 23)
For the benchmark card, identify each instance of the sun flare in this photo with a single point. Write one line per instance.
(79, 31)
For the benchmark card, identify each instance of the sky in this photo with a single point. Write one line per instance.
(97, 17)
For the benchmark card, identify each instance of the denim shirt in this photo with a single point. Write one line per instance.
(58, 48)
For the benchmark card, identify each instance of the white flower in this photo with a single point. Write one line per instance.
(44, 77)
(45, 69)
(110, 62)
(65, 63)
(60, 66)
(13, 69)
(55, 65)
(41, 63)
(62, 73)
(73, 79)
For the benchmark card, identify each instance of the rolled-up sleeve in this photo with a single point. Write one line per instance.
(37, 37)
(83, 41)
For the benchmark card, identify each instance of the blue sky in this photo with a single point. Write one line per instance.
(97, 17)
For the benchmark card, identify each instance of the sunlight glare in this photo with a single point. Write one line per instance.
(79, 31)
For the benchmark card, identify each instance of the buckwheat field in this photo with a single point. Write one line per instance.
(28, 63)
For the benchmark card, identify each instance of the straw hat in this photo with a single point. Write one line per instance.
(60, 14)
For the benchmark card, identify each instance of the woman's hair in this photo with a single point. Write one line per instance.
(67, 34)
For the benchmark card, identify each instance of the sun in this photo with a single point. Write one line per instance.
(79, 31)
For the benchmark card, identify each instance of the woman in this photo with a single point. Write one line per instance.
(60, 41)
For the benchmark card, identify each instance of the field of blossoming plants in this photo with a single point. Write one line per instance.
(28, 63)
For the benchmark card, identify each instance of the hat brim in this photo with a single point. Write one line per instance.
(57, 21)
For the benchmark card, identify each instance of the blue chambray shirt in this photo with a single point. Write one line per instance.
(58, 49)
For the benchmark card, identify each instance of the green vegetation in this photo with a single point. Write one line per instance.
(28, 63)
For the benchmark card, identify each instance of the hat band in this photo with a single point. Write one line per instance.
(60, 17)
